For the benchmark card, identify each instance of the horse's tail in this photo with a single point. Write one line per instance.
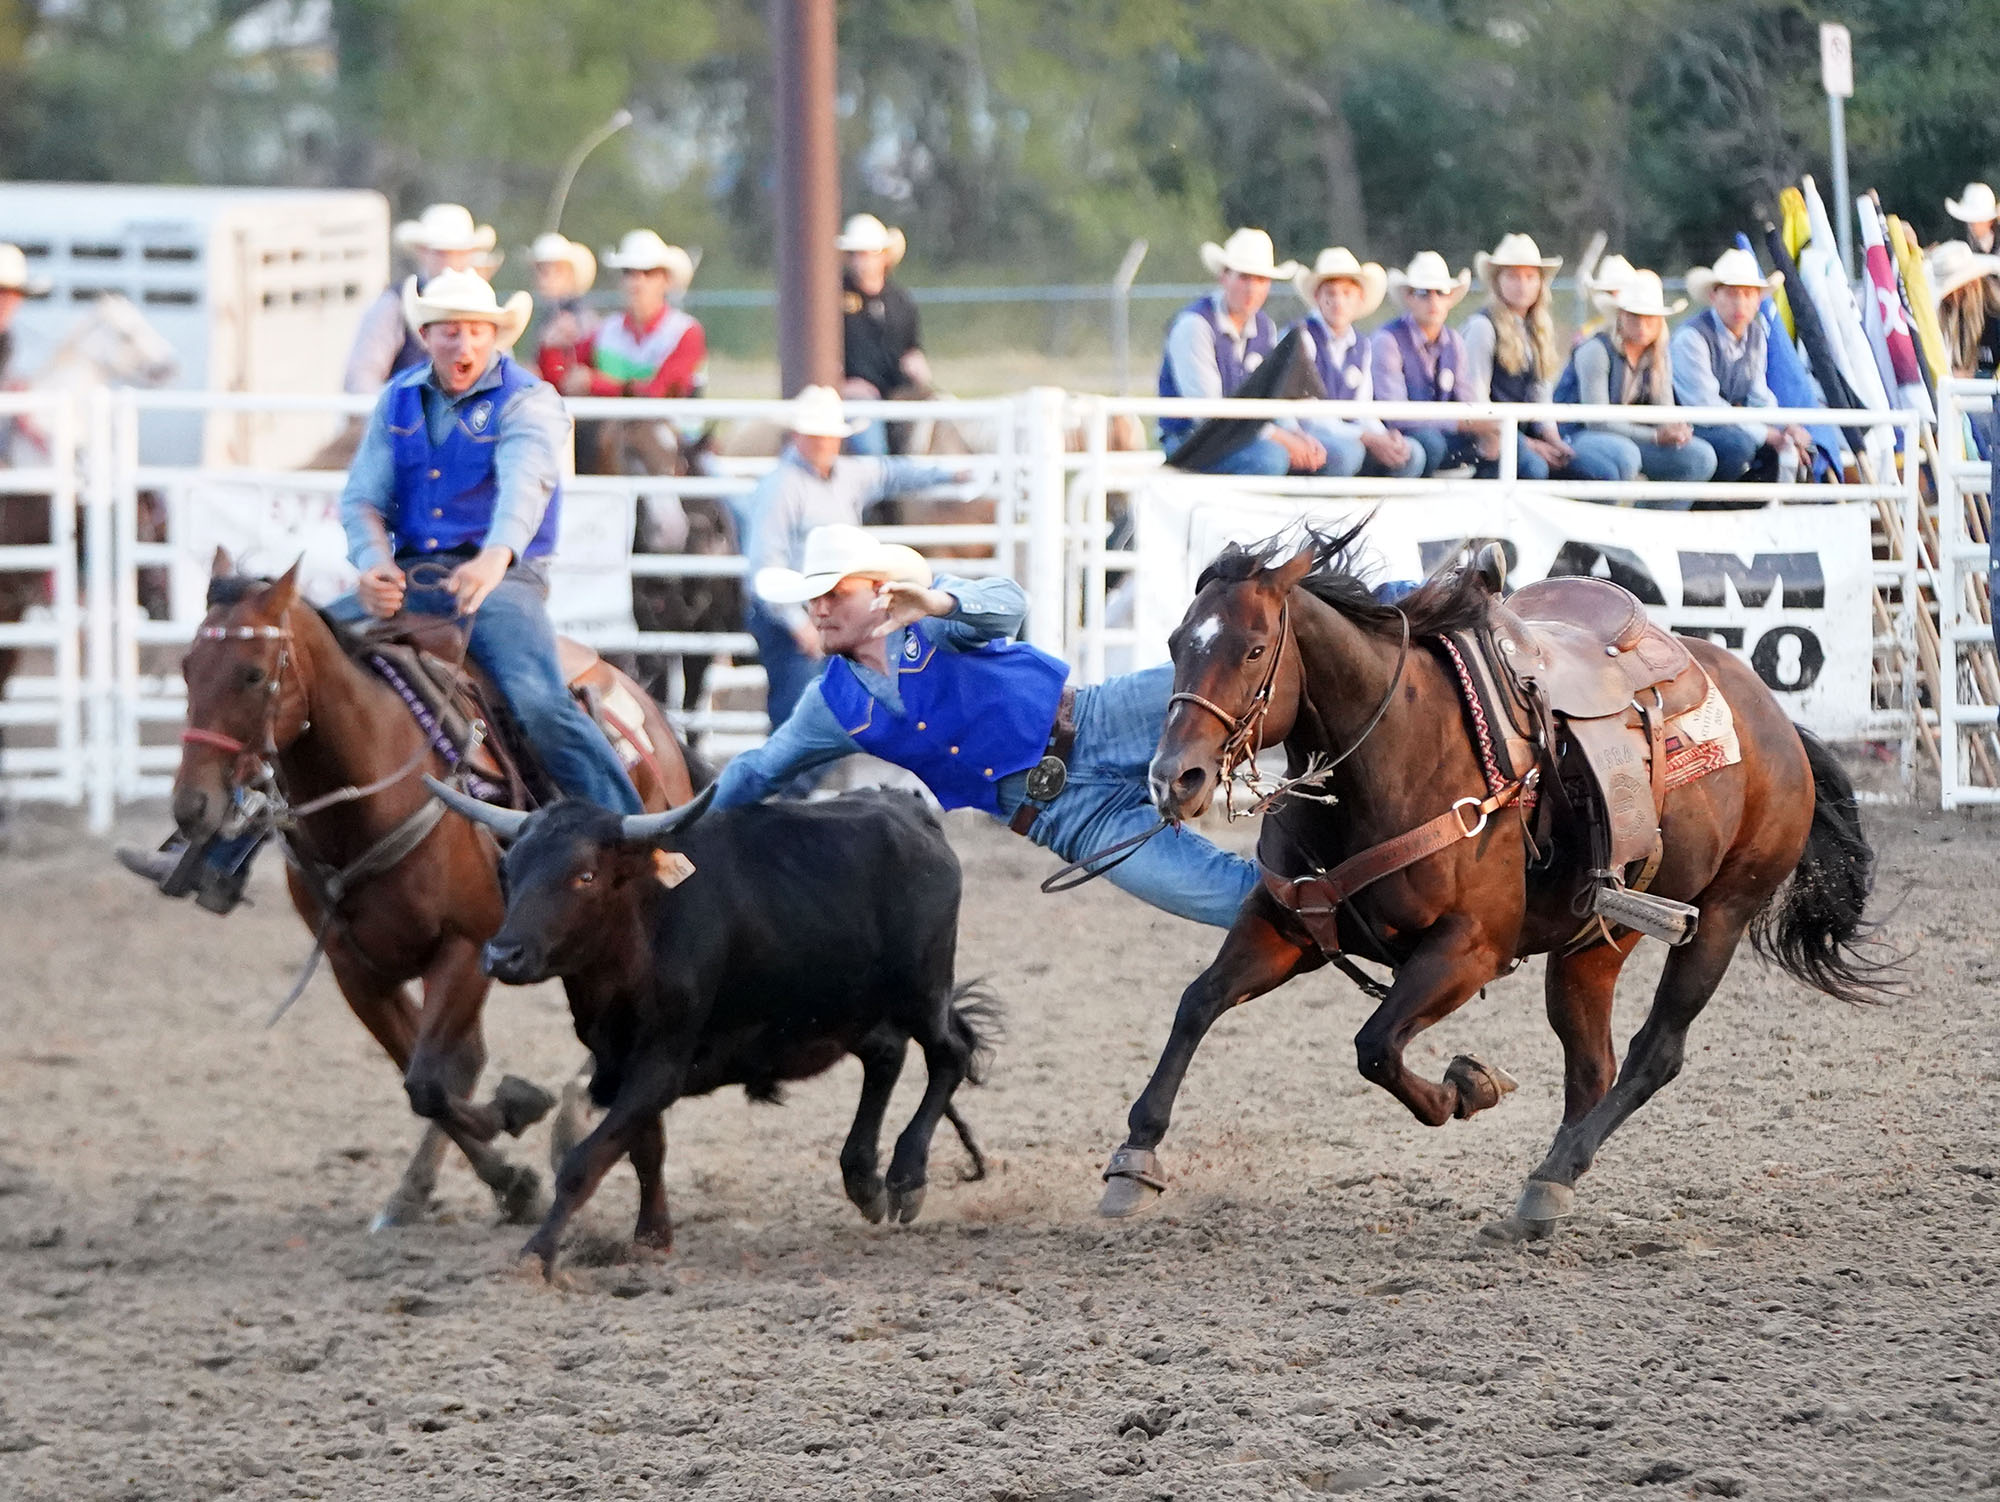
(1813, 927)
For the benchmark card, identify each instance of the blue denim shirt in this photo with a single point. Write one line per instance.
(988, 610)
(528, 461)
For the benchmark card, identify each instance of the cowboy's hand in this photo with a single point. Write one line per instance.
(381, 590)
(576, 381)
(903, 603)
(473, 580)
(1388, 447)
(857, 390)
(1801, 440)
(1301, 449)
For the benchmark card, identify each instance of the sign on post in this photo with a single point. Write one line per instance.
(1836, 60)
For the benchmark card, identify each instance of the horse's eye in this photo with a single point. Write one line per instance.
(252, 676)
(1255, 653)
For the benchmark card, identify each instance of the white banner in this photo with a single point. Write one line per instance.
(1786, 588)
(264, 529)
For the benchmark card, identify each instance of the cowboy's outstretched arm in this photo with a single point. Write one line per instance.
(810, 738)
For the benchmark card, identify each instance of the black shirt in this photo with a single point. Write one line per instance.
(877, 332)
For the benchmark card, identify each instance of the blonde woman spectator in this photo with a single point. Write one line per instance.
(1629, 365)
(1968, 306)
(1511, 355)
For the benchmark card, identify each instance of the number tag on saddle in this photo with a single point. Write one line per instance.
(1047, 778)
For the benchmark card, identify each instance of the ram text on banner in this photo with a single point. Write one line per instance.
(264, 529)
(1786, 587)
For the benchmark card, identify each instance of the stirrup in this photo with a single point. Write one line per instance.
(1661, 918)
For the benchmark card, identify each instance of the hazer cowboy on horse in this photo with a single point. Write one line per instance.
(924, 674)
(451, 509)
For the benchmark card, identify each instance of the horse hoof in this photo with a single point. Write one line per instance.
(904, 1204)
(520, 1198)
(521, 1103)
(402, 1210)
(1542, 1204)
(1126, 1196)
(871, 1198)
(1480, 1085)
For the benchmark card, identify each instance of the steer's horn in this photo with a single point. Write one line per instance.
(652, 826)
(505, 822)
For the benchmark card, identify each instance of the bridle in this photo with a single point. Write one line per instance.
(1243, 741)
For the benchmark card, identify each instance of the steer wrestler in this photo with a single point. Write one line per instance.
(925, 675)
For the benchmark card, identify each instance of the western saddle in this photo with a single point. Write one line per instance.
(1579, 680)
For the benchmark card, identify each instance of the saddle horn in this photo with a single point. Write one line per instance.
(652, 826)
(504, 822)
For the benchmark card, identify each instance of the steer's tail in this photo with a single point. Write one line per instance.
(1813, 926)
(975, 1023)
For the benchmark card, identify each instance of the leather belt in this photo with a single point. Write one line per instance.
(1053, 768)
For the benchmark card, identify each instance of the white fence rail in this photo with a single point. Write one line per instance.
(1969, 676)
(91, 712)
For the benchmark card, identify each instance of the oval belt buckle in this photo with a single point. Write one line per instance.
(1046, 778)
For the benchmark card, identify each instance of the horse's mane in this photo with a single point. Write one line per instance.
(1450, 600)
(225, 590)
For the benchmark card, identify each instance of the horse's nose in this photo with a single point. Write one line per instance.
(1179, 793)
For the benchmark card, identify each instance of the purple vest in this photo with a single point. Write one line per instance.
(1262, 339)
(1422, 383)
(1342, 380)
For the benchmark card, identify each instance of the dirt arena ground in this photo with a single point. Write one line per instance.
(1784, 1281)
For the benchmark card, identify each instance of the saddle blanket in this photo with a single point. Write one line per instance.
(1701, 741)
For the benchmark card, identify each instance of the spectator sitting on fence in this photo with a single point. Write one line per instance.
(1511, 355)
(1977, 210)
(1598, 285)
(564, 272)
(882, 350)
(812, 485)
(1338, 289)
(1218, 339)
(653, 348)
(16, 285)
(1718, 359)
(1417, 357)
(1628, 365)
(442, 238)
(1966, 286)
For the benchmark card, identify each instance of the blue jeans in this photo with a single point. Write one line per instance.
(1688, 463)
(787, 668)
(514, 644)
(1442, 449)
(1260, 456)
(1106, 800)
(1346, 456)
(1735, 450)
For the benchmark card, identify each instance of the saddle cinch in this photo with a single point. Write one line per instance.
(423, 658)
(1576, 666)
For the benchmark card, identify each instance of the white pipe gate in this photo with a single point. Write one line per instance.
(93, 711)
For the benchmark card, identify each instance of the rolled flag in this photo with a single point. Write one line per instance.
(1820, 269)
(1887, 326)
(1909, 254)
(1786, 374)
(1813, 336)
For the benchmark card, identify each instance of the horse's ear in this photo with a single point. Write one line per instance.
(1286, 575)
(284, 592)
(223, 566)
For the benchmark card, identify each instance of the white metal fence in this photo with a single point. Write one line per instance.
(93, 710)
(1969, 676)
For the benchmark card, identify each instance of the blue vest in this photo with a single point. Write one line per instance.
(445, 494)
(1263, 338)
(1507, 385)
(1420, 382)
(969, 718)
(1733, 376)
(1341, 381)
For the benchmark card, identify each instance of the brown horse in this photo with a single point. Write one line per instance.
(1296, 649)
(274, 700)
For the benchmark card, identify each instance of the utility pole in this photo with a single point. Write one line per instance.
(1836, 73)
(802, 50)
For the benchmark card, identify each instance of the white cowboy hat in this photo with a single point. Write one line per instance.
(1247, 252)
(1975, 206)
(840, 552)
(1337, 262)
(864, 233)
(553, 246)
(1733, 268)
(1427, 272)
(1604, 280)
(14, 273)
(444, 226)
(1953, 265)
(465, 296)
(1513, 250)
(1642, 294)
(642, 250)
(816, 413)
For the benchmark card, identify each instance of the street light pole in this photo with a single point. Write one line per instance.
(1836, 75)
(809, 336)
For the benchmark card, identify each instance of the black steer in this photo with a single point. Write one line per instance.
(806, 931)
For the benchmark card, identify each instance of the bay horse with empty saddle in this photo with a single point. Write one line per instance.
(1471, 781)
(288, 722)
